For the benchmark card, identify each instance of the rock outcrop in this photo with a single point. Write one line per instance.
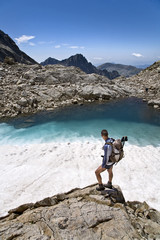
(31, 88)
(80, 61)
(82, 214)
(145, 85)
(8, 48)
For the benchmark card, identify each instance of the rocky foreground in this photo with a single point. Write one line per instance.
(82, 214)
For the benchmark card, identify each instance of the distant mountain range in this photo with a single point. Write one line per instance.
(80, 61)
(110, 70)
(125, 70)
(8, 48)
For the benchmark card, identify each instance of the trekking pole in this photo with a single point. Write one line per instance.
(123, 140)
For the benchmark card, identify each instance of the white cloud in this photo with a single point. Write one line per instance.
(24, 39)
(137, 54)
(57, 46)
(73, 47)
(98, 58)
(32, 44)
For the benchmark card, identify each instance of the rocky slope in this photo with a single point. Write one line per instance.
(82, 214)
(124, 70)
(8, 48)
(145, 85)
(80, 61)
(30, 88)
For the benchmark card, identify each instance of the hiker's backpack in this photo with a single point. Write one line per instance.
(117, 150)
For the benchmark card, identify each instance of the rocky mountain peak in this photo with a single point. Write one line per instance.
(50, 61)
(78, 60)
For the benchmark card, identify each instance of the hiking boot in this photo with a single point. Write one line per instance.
(100, 188)
(108, 185)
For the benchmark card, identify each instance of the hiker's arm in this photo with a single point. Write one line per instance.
(105, 158)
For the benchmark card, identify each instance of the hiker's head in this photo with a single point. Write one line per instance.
(104, 134)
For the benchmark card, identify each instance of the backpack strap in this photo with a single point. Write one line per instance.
(108, 143)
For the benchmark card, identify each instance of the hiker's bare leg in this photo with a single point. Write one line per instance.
(98, 175)
(110, 174)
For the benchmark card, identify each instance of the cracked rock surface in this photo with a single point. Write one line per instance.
(82, 214)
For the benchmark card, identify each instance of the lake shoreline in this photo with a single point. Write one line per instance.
(59, 108)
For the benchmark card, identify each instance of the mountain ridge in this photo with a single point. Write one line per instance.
(8, 48)
(124, 70)
(78, 60)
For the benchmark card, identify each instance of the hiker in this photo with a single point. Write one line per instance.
(146, 89)
(106, 164)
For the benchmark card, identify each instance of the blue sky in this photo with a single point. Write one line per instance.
(120, 31)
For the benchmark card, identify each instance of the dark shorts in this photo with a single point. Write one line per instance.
(109, 166)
